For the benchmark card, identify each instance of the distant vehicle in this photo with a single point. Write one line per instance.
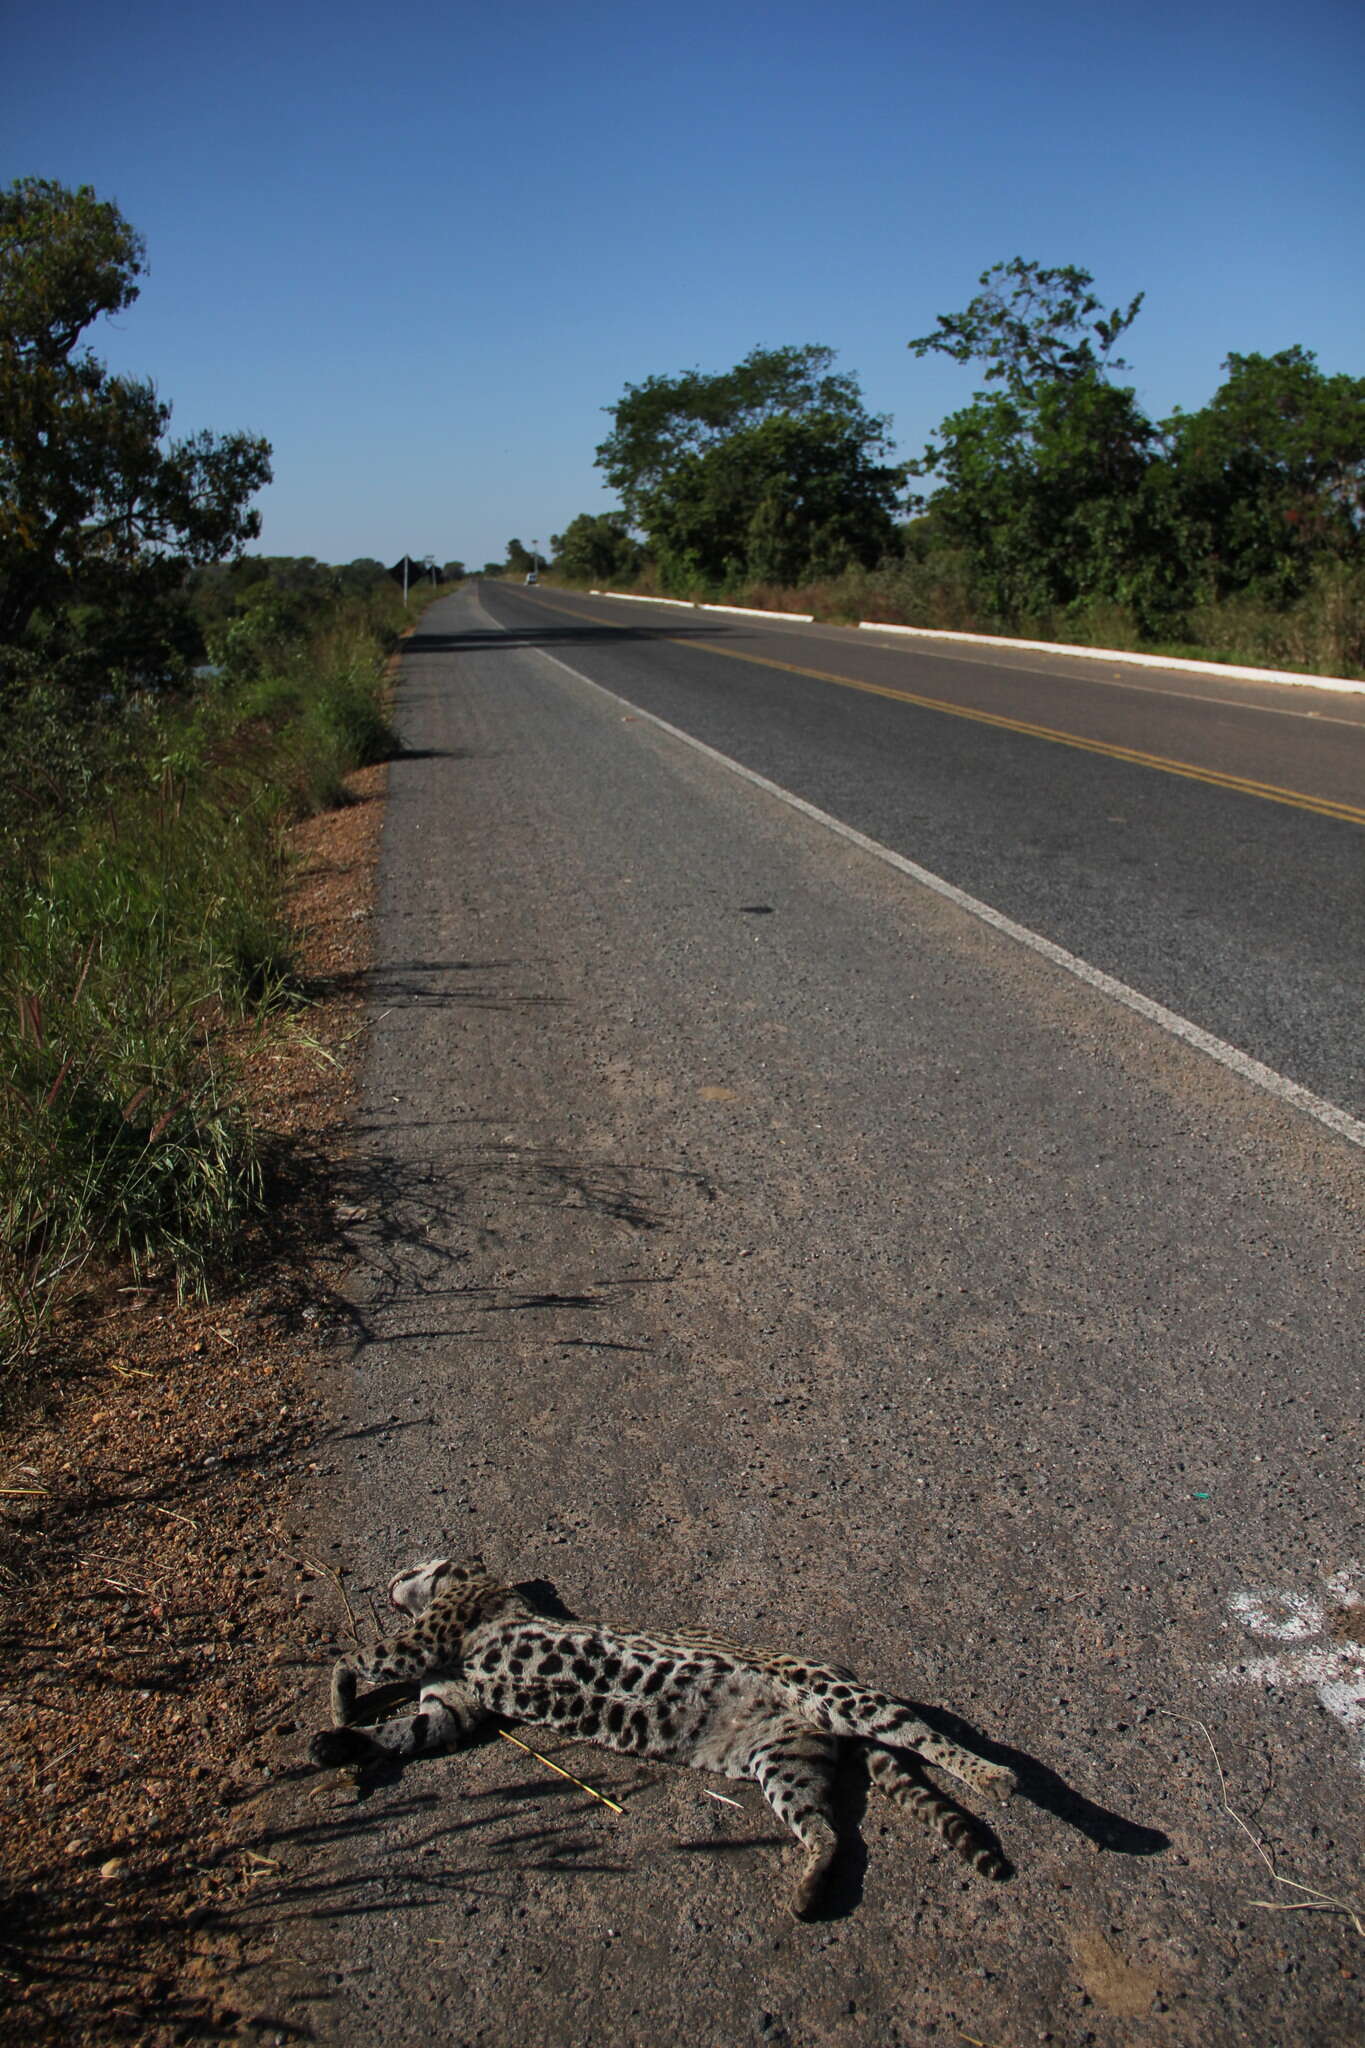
(531, 576)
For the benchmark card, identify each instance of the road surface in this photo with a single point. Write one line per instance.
(755, 1236)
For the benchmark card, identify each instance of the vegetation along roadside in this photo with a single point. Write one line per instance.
(1050, 506)
(190, 795)
(160, 1614)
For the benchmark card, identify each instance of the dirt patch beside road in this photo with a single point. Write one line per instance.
(157, 1618)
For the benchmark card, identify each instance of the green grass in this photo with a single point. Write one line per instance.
(142, 914)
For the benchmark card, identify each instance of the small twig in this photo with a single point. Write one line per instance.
(722, 1798)
(130, 1372)
(562, 1773)
(121, 1586)
(326, 1571)
(26, 1492)
(1315, 1900)
(171, 1513)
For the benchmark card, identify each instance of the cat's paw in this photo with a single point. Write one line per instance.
(998, 1781)
(341, 1746)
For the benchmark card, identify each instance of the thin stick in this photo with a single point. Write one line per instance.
(335, 1577)
(721, 1797)
(171, 1514)
(562, 1773)
(1315, 1900)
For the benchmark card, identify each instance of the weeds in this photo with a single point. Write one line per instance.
(141, 915)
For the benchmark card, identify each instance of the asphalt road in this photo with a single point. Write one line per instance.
(754, 1237)
(1244, 913)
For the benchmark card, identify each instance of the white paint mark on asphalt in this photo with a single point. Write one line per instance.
(1241, 1063)
(1330, 1631)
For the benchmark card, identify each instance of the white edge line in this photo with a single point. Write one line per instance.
(1338, 1120)
(1175, 663)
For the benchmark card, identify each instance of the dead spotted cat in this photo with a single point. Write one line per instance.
(477, 1648)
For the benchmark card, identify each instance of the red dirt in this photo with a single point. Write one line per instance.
(154, 1610)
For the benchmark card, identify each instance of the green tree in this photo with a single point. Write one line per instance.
(1268, 479)
(519, 559)
(100, 516)
(773, 469)
(1047, 494)
(360, 575)
(596, 548)
(1031, 326)
(1044, 483)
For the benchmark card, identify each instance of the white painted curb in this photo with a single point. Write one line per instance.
(758, 612)
(744, 610)
(1166, 661)
(1174, 664)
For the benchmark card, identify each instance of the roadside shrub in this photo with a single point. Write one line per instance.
(1322, 632)
(142, 890)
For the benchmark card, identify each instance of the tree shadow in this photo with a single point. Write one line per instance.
(352, 1238)
(478, 640)
(436, 984)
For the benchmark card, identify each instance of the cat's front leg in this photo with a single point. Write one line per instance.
(405, 1657)
(447, 1715)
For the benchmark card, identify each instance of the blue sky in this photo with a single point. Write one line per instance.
(421, 253)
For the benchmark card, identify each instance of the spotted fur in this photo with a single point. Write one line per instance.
(476, 1648)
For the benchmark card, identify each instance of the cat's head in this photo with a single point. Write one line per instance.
(443, 1579)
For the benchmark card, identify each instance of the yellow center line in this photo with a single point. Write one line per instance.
(1240, 785)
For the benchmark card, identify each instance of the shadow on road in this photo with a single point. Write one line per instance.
(487, 642)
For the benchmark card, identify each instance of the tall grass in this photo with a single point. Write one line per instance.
(142, 913)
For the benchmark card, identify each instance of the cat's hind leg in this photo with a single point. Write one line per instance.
(901, 1777)
(836, 1701)
(793, 1764)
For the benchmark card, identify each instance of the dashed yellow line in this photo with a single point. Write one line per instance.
(1241, 785)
